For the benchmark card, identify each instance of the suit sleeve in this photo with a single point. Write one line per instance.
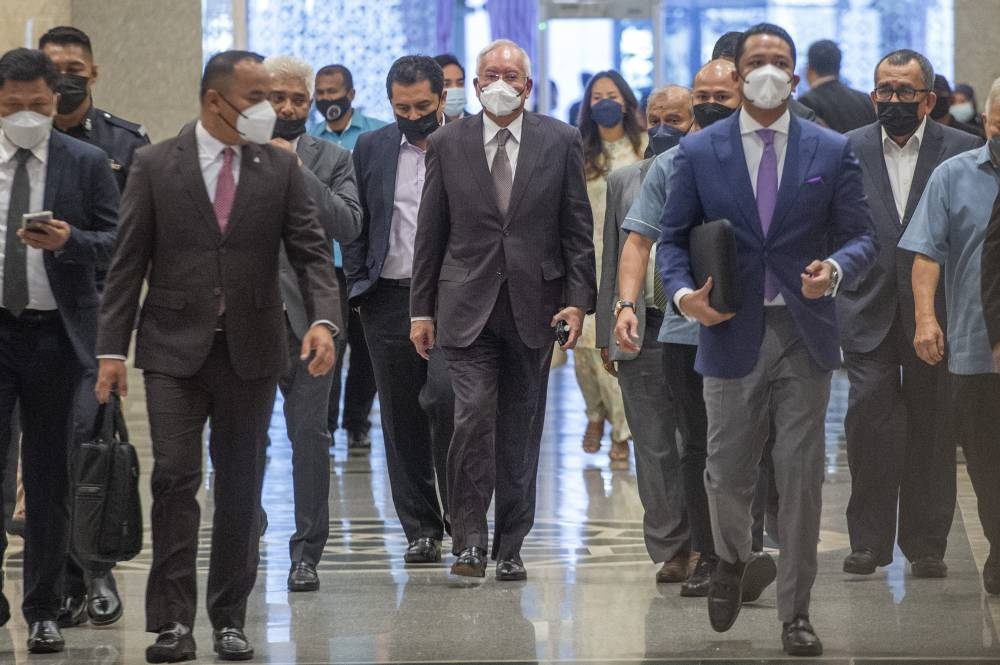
(433, 231)
(681, 211)
(309, 253)
(990, 275)
(131, 257)
(609, 261)
(576, 229)
(355, 252)
(853, 241)
(337, 199)
(94, 244)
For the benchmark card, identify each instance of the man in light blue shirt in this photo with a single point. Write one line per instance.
(948, 229)
(342, 123)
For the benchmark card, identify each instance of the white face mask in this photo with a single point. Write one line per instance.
(962, 112)
(499, 98)
(26, 129)
(256, 123)
(767, 87)
(454, 103)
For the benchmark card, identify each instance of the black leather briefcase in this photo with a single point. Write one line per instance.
(107, 513)
(712, 250)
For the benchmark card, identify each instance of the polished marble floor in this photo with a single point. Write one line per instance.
(590, 597)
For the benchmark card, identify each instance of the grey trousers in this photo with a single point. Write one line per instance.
(787, 383)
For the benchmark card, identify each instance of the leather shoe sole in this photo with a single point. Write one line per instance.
(465, 569)
(804, 643)
(511, 572)
(156, 654)
(929, 568)
(758, 574)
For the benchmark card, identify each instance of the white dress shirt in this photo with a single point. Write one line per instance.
(512, 146)
(901, 163)
(210, 158)
(40, 295)
(410, 170)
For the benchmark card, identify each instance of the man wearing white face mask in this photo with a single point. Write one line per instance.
(454, 85)
(793, 194)
(48, 318)
(204, 216)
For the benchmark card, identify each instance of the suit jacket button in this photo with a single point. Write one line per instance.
(506, 232)
(499, 275)
(217, 291)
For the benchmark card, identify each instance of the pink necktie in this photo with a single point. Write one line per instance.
(225, 190)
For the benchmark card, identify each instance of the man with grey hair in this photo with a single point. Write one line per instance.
(330, 183)
(955, 227)
(503, 253)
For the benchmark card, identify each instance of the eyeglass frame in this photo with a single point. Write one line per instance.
(510, 78)
(897, 92)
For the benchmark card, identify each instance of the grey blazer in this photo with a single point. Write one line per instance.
(332, 186)
(866, 314)
(623, 186)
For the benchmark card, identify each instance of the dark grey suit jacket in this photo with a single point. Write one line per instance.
(169, 232)
(839, 107)
(465, 249)
(624, 185)
(865, 314)
(329, 176)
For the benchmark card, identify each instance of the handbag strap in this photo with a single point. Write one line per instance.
(110, 422)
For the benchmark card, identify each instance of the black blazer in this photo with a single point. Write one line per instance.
(840, 107)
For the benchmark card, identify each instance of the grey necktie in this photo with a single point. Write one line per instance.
(503, 178)
(15, 273)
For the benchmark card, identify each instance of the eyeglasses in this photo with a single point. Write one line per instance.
(906, 93)
(510, 78)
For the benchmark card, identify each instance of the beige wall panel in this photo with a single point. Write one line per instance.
(22, 20)
(977, 55)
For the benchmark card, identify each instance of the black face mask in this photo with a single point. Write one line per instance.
(898, 118)
(289, 129)
(994, 144)
(72, 91)
(941, 108)
(419, 129)
(711, 112)
(333, 109)
(662, 137)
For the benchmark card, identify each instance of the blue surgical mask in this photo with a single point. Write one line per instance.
(607, 113)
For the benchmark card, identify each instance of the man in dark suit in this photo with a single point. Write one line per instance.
(205, 215)
(48, 320)
(415, 396)
(839, 107)
(503, 252)
(330, 182)
(793, 194)
(899, 447)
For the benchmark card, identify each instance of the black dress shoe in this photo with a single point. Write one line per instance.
(471, 562)
(104, 607)
(929, 566)
(174, 644)
(358, 442)
(44, 637)
(232, 644)
(4, 610)
(799, 639)
(423, 550)
(758, 573)
(991, 575)
(303, 577)
(263, 522)
(73, 611)
(736, 583)
(860, 562)
(697, 584)
(511, 570)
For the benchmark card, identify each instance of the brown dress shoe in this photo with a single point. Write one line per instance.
(592, 436)
(673, 571)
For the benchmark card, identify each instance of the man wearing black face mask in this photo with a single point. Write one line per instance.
(902, 462)
(942, 108)
(417, 403)
(329, 177)
(342, 123)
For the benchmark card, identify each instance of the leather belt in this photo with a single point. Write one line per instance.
(401, 283)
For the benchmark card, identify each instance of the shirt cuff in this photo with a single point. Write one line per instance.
(111, 356)
(681, 292)
(421, 318)
(832, 292)
(334, 330)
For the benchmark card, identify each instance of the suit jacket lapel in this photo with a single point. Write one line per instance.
(251, 181)
(799, 154)
(733, 164)
(527, 156)
(306, 148)
(188, 169)
(874, 159)
(391, 151)
(928, 157)
(475, 154)
(53, 170)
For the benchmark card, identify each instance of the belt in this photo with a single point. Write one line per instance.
(32, 317)
(401, 283)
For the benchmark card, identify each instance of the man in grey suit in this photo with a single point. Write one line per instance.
(504, 250)
(329, 176)
(899, 450)
(204, 217)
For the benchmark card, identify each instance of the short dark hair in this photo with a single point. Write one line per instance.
(763, 29)
(942, 88)
(66, 35)
(333, 70)
(220, 67)
(25, 64)
(824, 58)
(725, 47)
(905, 56)
(412, 69)
(446, 59)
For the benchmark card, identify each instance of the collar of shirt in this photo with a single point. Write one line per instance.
(915, 140)
(750, 126)
(8, 149)
(210, 147)
(491, 128)
(405, 143)
(821, 80)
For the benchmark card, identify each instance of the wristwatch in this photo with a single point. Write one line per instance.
(622, 304)
(834, 278)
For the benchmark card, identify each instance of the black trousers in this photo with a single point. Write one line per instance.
(39, 367)
(975, 398)
(500, 388)
(417, 407)
(899, 450)
(359, 388)
(238, 412)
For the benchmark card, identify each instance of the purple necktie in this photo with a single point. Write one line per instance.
(767, 197)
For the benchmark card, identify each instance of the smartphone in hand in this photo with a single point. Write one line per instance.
(562, 333)
(35, 222)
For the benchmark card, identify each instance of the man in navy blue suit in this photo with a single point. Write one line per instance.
(48, 318)
(794, 196)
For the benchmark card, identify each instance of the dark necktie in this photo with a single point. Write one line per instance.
(15, 273)
(659, 295)
(767, 197)
(503, 178)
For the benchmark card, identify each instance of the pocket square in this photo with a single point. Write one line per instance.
(815, 180)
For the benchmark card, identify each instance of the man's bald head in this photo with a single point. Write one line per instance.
(670, 105)
(715, 84)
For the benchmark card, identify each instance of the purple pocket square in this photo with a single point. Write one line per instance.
(815, 180)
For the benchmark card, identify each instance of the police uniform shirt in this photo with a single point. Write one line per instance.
(118, 138)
